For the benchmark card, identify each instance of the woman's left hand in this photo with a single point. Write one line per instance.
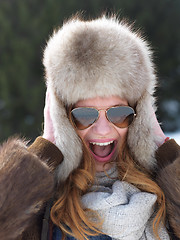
(160, 139)
(48, 124)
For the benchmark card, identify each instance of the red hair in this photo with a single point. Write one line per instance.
(68, 213)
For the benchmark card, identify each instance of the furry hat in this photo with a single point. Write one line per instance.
(101, 57)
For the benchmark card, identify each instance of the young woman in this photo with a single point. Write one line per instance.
(99, 142)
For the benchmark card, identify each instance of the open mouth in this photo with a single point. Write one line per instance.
(102, 151)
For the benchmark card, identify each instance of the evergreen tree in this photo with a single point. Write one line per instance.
(25, 27)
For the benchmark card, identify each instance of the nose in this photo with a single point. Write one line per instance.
(102, 126)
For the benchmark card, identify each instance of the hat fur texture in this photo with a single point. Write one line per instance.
(101, 57)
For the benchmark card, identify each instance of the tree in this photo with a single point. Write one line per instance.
(25, 27)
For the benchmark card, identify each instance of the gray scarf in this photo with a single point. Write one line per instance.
(126, 211)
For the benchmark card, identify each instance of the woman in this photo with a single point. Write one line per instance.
(100, 80)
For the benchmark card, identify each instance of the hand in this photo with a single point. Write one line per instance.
(160, 136)
(48, 125)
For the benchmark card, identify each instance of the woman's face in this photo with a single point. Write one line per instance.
(103, 138)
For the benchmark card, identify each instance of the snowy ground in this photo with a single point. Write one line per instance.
(175, 135)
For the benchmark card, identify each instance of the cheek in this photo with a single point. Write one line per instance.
(122, 133)
(82, 133)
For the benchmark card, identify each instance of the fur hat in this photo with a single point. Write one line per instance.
(101, 57)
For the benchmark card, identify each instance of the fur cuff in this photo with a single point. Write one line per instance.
(47, 152)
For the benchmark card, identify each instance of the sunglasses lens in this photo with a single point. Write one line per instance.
(84, 117)
(121, 116)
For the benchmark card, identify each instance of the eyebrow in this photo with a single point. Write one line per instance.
(103, 107)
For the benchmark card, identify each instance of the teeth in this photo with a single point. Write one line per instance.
(101, 144)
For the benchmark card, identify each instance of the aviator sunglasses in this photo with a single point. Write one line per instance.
(120, 116)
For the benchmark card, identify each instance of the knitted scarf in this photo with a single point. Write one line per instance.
(126, 211)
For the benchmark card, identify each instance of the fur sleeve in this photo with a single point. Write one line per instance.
(168, 178)
(25, 183)
(47, 152)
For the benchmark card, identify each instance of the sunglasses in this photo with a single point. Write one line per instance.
(120, 116)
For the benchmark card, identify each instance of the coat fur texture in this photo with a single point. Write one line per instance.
(168, 178)
(102, 57)
(22, 178)
(25, 183)
(170, 183)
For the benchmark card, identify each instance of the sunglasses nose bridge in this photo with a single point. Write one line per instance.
(105, 112)
(102, 118)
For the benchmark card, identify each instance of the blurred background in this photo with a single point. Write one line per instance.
(25, 26)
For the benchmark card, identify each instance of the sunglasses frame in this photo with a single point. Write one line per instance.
(98, 110)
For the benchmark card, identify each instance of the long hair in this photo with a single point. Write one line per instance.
(68, 213)
(131, 172)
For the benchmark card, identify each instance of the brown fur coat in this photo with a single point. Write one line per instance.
(24, 172)
(22, 177)
(168, 178)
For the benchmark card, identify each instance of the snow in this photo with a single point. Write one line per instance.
(175, 136)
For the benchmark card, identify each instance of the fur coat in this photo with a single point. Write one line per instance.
(27, 183)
